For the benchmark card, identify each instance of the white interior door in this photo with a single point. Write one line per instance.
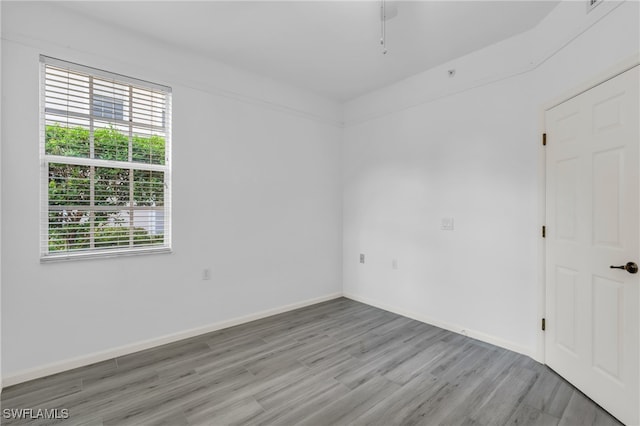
(592, 217)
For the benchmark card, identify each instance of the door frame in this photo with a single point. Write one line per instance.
(598, 79)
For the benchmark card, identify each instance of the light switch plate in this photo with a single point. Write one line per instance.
(447, 224)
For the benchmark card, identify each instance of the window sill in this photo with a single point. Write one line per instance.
(103, 254)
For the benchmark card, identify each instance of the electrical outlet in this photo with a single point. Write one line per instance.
(447, 224)
(361, 258)
(206, 274)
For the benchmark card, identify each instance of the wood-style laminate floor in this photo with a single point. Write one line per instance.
(338, 362)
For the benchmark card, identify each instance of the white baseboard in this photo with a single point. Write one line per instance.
(447, 326)
(81, 361)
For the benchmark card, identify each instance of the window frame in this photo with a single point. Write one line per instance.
(46, 254)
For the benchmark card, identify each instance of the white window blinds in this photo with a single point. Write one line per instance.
(105, 156)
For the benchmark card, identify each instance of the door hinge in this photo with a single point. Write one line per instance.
(544, 232)
(544, 139)
(544, 324)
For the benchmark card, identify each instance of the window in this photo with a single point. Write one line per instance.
(105, 158)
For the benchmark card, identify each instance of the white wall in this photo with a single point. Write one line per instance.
(258, 190)
(467, 147)
(0, 203)
(256, 197)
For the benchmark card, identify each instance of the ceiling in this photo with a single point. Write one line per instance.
(329, 47)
